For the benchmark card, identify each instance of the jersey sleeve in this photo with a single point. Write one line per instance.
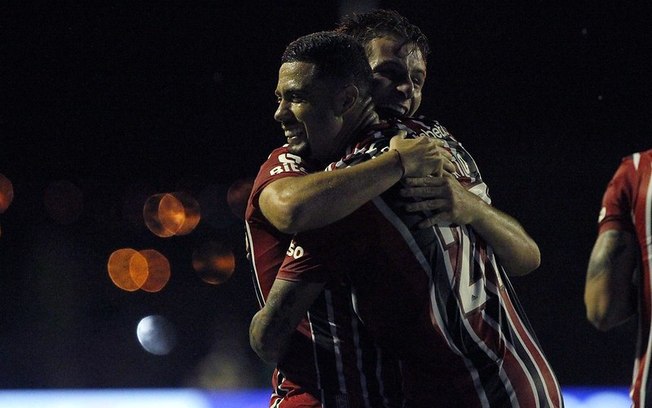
(280, 164)
(302, 260)
(617, 200)
(312, 255)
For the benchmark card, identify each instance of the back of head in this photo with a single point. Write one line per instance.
(336, 56)
(364, 27)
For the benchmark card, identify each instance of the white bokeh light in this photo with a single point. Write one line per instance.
(156, 334)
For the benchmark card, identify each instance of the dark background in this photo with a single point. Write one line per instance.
(129, 98)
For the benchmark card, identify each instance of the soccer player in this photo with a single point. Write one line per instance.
(438, 297)
(618, 277)
(323, 105)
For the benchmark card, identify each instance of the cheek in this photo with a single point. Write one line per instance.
(416, 102)
(380, 85)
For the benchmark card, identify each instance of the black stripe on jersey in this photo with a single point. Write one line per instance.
(324, 347)
(357, 349)
(477, 360)
(521, 349)
(466, 341)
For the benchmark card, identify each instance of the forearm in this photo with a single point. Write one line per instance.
(271, 328)
(610, 292)
(296, 204)
(518, 253)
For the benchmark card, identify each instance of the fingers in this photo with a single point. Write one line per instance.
(423, 182)
(426, 205)
(449, 166)
(400, 134)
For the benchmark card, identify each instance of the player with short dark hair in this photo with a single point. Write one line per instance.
(331, 360)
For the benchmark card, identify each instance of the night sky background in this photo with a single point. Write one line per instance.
(126, 99)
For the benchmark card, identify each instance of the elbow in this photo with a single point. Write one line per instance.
(288, 214)
(533, 260)
(529, 262)
(606, 311)
(599, 320)
(267, 354)
(596, 309)
(262, 342)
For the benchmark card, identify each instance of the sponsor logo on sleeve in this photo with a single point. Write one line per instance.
(288, 162)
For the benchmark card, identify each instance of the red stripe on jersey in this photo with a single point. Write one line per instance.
(543, 369)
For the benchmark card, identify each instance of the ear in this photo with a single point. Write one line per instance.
(347, 98)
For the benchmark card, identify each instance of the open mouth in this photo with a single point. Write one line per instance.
(392, 110)
(294, 134)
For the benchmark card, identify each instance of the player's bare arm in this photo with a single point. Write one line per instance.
(296, 204)
(272, 326)
(451, 203)
(610, 293)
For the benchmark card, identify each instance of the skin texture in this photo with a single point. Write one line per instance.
(399, 71)
(272, 326)
(610, 292)
(453, 204)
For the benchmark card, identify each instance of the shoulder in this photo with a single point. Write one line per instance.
(280, 163)
(425, 126)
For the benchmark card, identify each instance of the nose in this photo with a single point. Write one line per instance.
(282, 111)
(406, 87)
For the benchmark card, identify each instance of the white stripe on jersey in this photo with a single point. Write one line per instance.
(258, 289)
(379, 376)
(527, 349)
(314, 353)
(336, 341)
(358, 354)
(405, 233)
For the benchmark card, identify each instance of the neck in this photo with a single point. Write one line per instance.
(356, 120)
(367, 117)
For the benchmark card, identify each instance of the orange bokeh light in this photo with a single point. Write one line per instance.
(158, 268)
(191, 212)
(6, 193)
(171, 214)
(213, 262)
(131, 270)
(127, 269)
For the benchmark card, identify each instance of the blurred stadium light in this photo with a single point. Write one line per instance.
(574, 397)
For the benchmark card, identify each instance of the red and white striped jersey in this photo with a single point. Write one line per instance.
(438, 297)
(627, 205)
(332, 361)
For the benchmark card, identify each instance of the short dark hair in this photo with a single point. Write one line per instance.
(336, 56)
(364, 27)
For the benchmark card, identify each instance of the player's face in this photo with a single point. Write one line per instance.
(399, 74)
(306, 111)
